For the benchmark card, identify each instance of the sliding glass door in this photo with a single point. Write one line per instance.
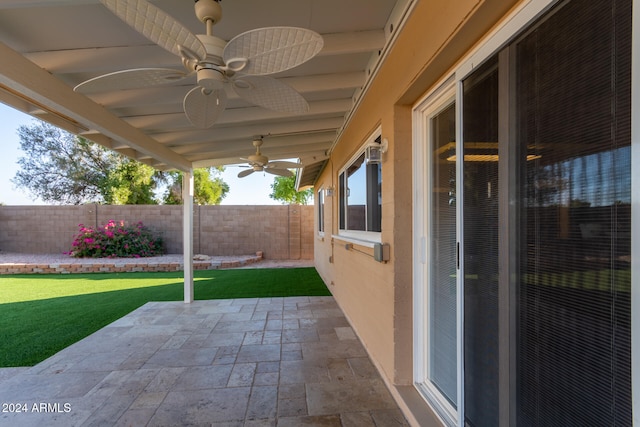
(438, 365)
(522, 227)
(480, 244)
(442, 355)
(573, 90)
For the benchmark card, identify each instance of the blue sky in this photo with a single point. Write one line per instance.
(251, 190)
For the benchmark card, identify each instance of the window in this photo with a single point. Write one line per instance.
(360, 192)
(320, 199)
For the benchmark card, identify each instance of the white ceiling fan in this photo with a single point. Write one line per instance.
(241, 64)
(259, 163)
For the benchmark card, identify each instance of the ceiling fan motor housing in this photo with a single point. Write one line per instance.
(258, 159)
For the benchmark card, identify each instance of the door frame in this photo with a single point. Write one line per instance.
(440, 99)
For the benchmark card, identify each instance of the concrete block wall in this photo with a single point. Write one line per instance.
(280, 232)
(235, 230)
(307, 231)
(40, 229)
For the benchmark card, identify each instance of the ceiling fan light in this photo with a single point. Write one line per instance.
(241, 84)
(210, 78)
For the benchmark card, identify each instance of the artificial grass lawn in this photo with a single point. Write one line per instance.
(42, 314)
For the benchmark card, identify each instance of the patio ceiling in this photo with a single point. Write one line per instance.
(47, 47)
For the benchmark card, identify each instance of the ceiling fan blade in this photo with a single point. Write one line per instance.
(270, 93)
(244, 173)
(156, 25)
(271, 50)
(284, 165)
(131, 79)
(281, 172)
(203, 107)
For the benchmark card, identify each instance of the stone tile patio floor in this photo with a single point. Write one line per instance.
(242, 362)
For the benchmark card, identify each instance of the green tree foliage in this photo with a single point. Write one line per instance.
(130, 183)
(61, 168)
(208, 187)
(283, 189)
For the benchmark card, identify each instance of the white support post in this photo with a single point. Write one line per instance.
(187, 234)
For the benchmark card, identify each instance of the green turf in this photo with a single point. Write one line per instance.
(42, 314)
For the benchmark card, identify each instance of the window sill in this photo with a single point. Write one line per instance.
(369, 240)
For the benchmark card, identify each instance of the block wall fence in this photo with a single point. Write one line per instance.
(280, 232)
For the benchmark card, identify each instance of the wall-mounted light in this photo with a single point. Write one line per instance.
(374, 152)
(328, 191)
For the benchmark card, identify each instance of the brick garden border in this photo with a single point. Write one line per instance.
(123, 266)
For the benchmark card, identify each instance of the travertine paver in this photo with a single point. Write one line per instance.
(246, 362)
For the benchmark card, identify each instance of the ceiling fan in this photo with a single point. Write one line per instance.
(241, 64)
(259, 163)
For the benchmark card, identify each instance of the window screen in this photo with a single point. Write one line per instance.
(573, 99)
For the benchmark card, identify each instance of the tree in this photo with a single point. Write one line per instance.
(284, 190)
(63, 168)
(208, 187)
(59, 167)
(131, 183)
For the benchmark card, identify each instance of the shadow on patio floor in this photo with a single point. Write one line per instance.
(244, 362)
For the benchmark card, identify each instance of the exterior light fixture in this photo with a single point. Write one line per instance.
(374, 152)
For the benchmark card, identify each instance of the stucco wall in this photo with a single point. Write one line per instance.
(377, 297)
(280, 232)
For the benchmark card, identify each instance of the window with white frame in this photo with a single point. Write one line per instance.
(360, 193)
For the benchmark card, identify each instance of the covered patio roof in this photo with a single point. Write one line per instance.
(49, 47)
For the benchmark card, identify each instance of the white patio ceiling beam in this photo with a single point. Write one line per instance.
(236, 156)
(101, 60)
(206, 162)
(18, 4)
(160, 94)
(174, 139)
(240, 115)
(25, 79)
(270, 141)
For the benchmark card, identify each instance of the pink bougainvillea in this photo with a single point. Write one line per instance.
(116, 239)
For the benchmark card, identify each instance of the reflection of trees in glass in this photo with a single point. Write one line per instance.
(591, 180)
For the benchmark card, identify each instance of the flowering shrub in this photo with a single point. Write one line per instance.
(115, 239)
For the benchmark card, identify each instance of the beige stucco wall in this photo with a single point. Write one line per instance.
(377, 297)
(280, 232)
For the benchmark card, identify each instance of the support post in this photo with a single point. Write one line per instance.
(187, 234)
